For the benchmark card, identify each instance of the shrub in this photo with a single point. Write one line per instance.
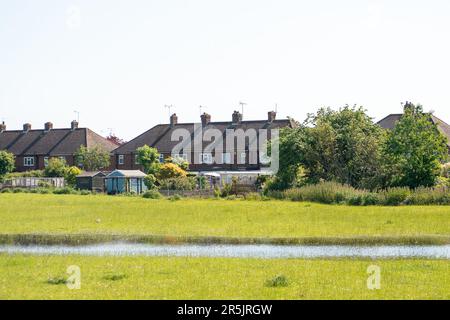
(65, 190)
(429, 196)
(175, 197)
(85, 192)
(170, 171)
(7, 190)
(152, 194)
(20, 190)
(394, 196)
(226, 190)
(56, 168)
(180, 183)
(324, 192)
(70, 175)
(278, 281)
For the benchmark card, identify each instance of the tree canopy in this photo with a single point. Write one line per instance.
(148, 158)
(414, 150)
(92, 159)
(7, 163)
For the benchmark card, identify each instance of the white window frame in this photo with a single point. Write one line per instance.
(206, 158)
(161, 158)
(46, 161)
(136, 159)
(243, 158)
(121, 160)
(226, 158)
(29, 162)
(183, 157)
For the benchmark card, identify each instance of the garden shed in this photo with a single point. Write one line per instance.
(125, 181)
(94, 181)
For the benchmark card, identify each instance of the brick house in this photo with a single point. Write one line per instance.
(161, 138)
(33, 148)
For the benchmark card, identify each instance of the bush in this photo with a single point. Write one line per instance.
(7, 190)
(27, 174)
(85, 192)
(20, 190)
(325, 192)
(152, 194)
(175, 197)
(429, 196)
(150, 181)
(394, 196)
(65, 190)
(180, 183)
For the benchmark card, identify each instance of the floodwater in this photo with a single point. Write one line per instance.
(234, 251)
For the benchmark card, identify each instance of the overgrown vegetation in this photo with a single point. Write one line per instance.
(335, 193)
(345, 146)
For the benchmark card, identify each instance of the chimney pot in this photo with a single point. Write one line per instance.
(206, 119)
(26, 127)
(74, 125)
(2, 126)
(271, 116)
(173, 119)
(237, 117)
(48, 126)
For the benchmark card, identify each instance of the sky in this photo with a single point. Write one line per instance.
(118, 63)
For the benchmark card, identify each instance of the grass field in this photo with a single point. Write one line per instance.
(63, 215)
(42, 218)
(24, 277)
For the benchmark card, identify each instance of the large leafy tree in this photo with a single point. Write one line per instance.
(414, 150)
(342, 146)
(92, 159)
(7, 163)
(148, 158)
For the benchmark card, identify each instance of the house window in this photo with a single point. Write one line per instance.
(181, 157)
(46, 162)
(243, 158)
(136, 159)
(161, 158)
(62, 159)
(121, 159)
(206, 158)
(28, 161)
(226, 158)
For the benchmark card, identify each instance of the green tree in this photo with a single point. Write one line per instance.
(148, 158)
(343, 146)
(7, 163)
(92, 159)
(56, 168)
(169, 171)
(414, 150)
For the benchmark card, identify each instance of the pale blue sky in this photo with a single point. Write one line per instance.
(120, 62)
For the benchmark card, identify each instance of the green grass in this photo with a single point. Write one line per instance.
(27, 277)
(92, 216)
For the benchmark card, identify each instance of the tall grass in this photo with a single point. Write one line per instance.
(335, 193)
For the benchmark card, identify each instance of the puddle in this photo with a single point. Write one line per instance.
(235, 251)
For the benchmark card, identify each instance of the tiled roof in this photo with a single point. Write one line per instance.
(390, 121)
(53, 143)
(160, 136)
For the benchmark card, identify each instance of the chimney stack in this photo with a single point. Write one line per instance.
(2, 126)
(271, 116)
(26, 127)
(237, 117)
(48, 126)
(74, 125)
(206, 119)
(173, 120)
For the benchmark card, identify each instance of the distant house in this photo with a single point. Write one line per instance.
(236, 161)
(125, 181)
(390, 121)
(92, 181)
(33, 148)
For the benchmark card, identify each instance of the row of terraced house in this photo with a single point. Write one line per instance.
(34, 147)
